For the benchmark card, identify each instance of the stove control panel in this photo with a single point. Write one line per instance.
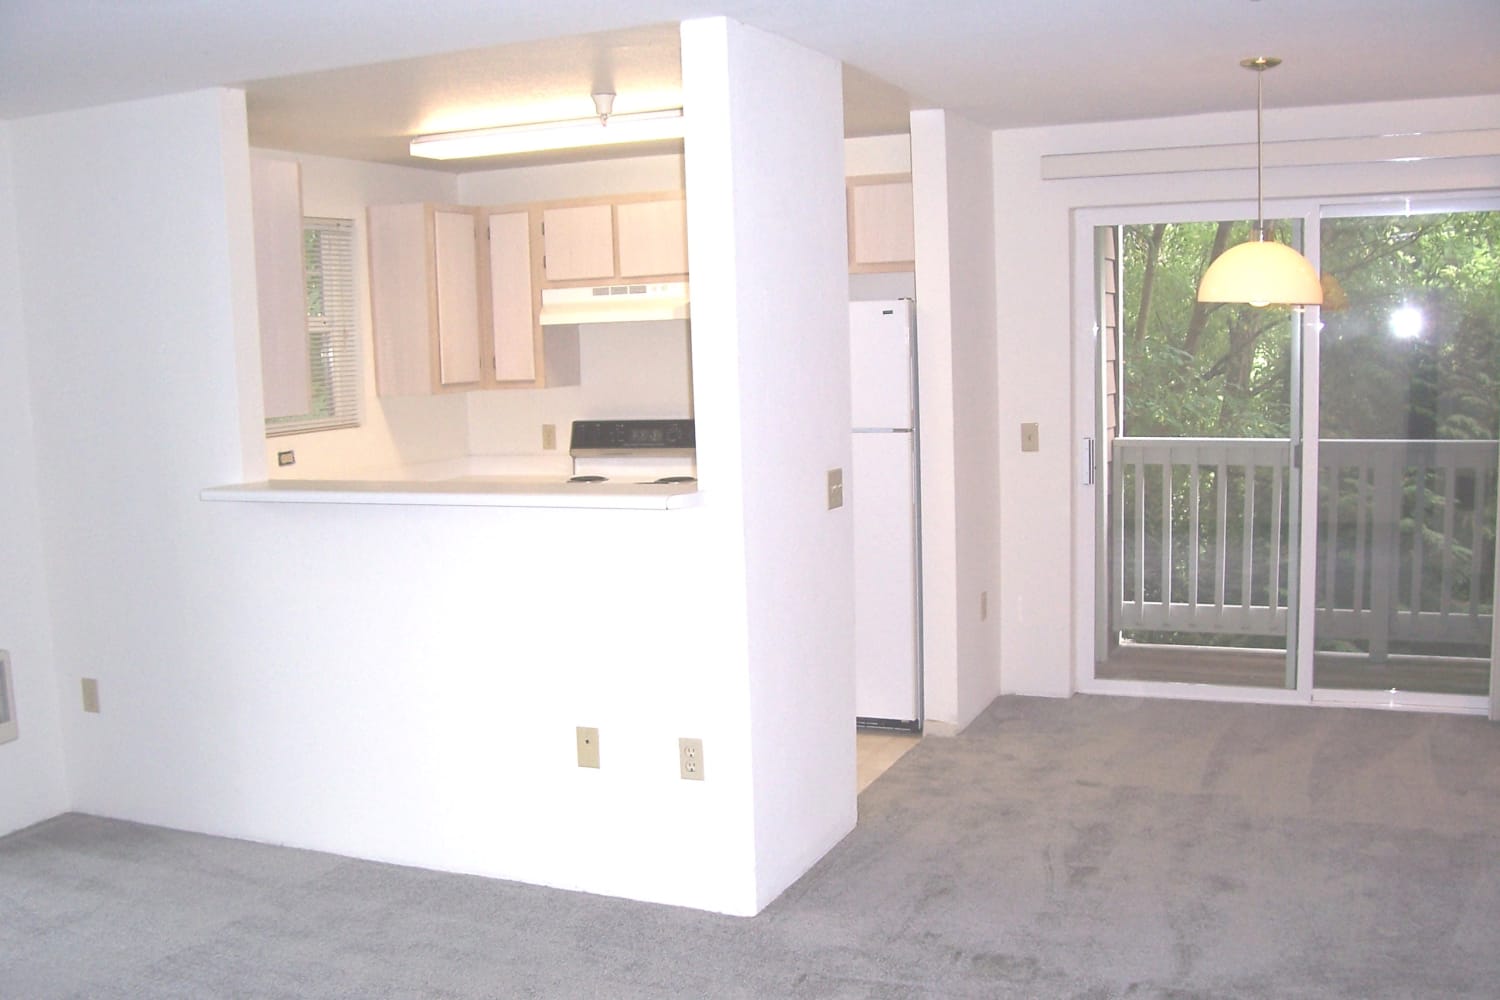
(593, 436)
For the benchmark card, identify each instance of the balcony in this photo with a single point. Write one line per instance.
(1202, 559)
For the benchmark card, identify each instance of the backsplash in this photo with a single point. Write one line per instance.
(628, 370)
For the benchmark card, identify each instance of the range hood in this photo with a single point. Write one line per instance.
(615, 303)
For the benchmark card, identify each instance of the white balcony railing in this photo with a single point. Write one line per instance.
(1201, 539)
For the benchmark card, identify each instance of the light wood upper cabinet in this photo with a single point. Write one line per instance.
(453, 301)
(652, 237)
(456, 272)
(455, 291)
(403, 298)
(513, 330)
(606, 240)
(578, 242)
(281, 286)
(881, 224)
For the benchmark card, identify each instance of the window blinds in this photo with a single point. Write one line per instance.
(332, 335)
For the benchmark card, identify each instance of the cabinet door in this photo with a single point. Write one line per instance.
(401, 299)
(881, 225)
(457, 273)
(653, 237)
(579, 242)
(512, 326)
(281, 286)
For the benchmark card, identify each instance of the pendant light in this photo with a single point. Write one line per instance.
(1261, 272)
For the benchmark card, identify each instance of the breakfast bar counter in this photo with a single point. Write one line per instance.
(466, 491)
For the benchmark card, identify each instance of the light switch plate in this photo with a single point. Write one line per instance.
(1030, 437)
(549, 437)
(835, 488)
(91, 695)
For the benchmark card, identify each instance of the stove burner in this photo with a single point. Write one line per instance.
(676, 479)
(589, 479)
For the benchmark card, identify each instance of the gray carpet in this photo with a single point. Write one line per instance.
(1090, 848)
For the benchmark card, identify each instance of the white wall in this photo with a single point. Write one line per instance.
(877, 154)
(32, 782)
(766, 237)
(1046, 514)
(638, 370)
(979, 438)
(394, 431)
(956, 364)
(403, 683)
(389, 682)
(559, 182)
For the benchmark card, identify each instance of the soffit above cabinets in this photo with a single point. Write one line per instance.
(371, 112)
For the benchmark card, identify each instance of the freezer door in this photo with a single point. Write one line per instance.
(880, 368)
(885, 578)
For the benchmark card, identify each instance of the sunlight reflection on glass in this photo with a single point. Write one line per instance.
(1407, 323)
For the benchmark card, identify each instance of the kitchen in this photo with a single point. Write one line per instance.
(637, 369)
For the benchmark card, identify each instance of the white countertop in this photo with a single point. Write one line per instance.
(466, 491)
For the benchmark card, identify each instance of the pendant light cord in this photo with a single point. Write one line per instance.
(1260, 111)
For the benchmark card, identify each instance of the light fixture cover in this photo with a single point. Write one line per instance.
(576, 133)
(1261, 272)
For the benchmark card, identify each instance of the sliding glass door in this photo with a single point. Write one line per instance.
(1199, 571)
(1301, 501)
(1409, 418)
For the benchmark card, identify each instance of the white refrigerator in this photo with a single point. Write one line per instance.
(884, 495)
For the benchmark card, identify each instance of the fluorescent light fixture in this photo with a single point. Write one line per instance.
(574, 133)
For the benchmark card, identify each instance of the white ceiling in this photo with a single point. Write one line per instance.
(358, 77)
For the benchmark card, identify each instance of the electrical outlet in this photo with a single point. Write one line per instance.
(1030, 437)
(90, 695)
(285, 458)
(835, 488)
(549, 437)
(690, 758)
(588, 746)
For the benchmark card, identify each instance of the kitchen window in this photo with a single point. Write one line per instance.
(332, 341)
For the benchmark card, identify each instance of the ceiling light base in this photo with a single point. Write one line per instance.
(1260, 63)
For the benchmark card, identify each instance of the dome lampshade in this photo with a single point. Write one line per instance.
(1261, 272)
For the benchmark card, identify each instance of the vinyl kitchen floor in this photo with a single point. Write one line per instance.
(877, 751)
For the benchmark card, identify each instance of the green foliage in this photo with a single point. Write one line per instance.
(1193, 369)
(1208, 370)
(1445, 381)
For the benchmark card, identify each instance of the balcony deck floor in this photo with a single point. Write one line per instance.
(1267, 668)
